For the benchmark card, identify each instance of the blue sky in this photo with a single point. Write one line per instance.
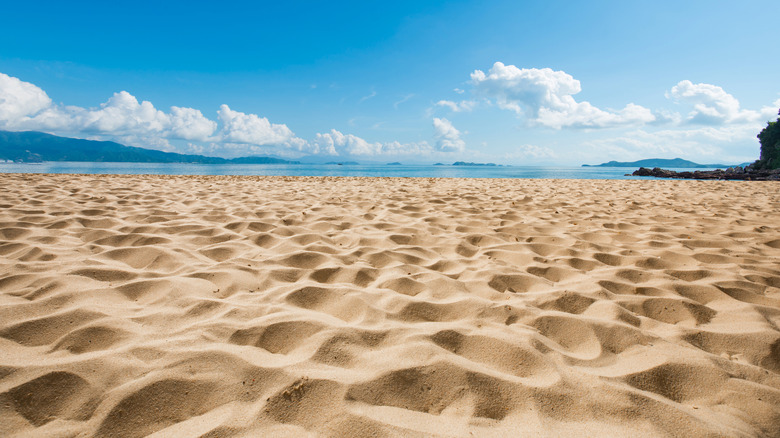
(505, 81)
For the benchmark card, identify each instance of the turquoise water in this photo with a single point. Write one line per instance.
(326, 170)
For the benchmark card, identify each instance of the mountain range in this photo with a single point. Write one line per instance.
(34, 146)
(675, 163)
(31, 146)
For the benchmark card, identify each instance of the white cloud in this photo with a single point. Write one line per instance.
(716, 130)
(124, 119)
(463, 105)
(122, 114)
(770, 113)
(337, 143)
(733, 143)
(25, 106)
(238, 127)
(190, 124)
(329, 142)
(711, 104)
(447, 136)
(545, 97)
(666, 117)
(19, 99)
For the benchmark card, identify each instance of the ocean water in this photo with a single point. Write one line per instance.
(326, 170)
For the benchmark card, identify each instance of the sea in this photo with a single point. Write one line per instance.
(377, 170)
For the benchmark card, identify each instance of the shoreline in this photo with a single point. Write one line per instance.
(732, 173)
(371, 177)
(572, 172)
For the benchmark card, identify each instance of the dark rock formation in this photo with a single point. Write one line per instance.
(749, 173)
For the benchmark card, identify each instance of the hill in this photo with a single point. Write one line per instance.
(468, 163)
(34, 146)
(658, 162)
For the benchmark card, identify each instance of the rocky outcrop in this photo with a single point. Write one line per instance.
(738, 172)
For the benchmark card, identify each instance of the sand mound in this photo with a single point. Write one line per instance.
(280, 306)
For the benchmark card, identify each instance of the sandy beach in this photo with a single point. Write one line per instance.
(225, 306)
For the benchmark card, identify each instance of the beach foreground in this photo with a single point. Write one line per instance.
(287, 306)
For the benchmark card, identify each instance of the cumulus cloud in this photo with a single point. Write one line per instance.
(337, 143)
(334, 142)
(238, 127)
(711, 104)
(19, 99)
(447, 136)
(717, 129)
(123, 114)
(25, 106)
(191, 124)
(123, 118)
(545, 97)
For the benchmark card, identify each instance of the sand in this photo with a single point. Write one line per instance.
(281, 306)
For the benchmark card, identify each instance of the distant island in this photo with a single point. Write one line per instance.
(394, 163)
(678, 163)
(342, 163)
(466, 163)
(36, 147)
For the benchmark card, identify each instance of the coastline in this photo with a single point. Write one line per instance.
(732, 173)
(363, 170)
(188, 305)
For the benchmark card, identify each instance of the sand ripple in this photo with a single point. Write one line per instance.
(280, 306)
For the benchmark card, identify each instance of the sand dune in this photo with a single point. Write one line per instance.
(281, 306)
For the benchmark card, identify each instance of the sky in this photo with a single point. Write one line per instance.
(510, 82)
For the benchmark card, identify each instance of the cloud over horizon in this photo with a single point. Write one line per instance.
(546, 97)
(714, 106)
(238, 127)
(24, 106)
(19, 99)
(447, 136)
(337, 143)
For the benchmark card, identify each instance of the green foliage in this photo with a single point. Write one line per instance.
(769, 138)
